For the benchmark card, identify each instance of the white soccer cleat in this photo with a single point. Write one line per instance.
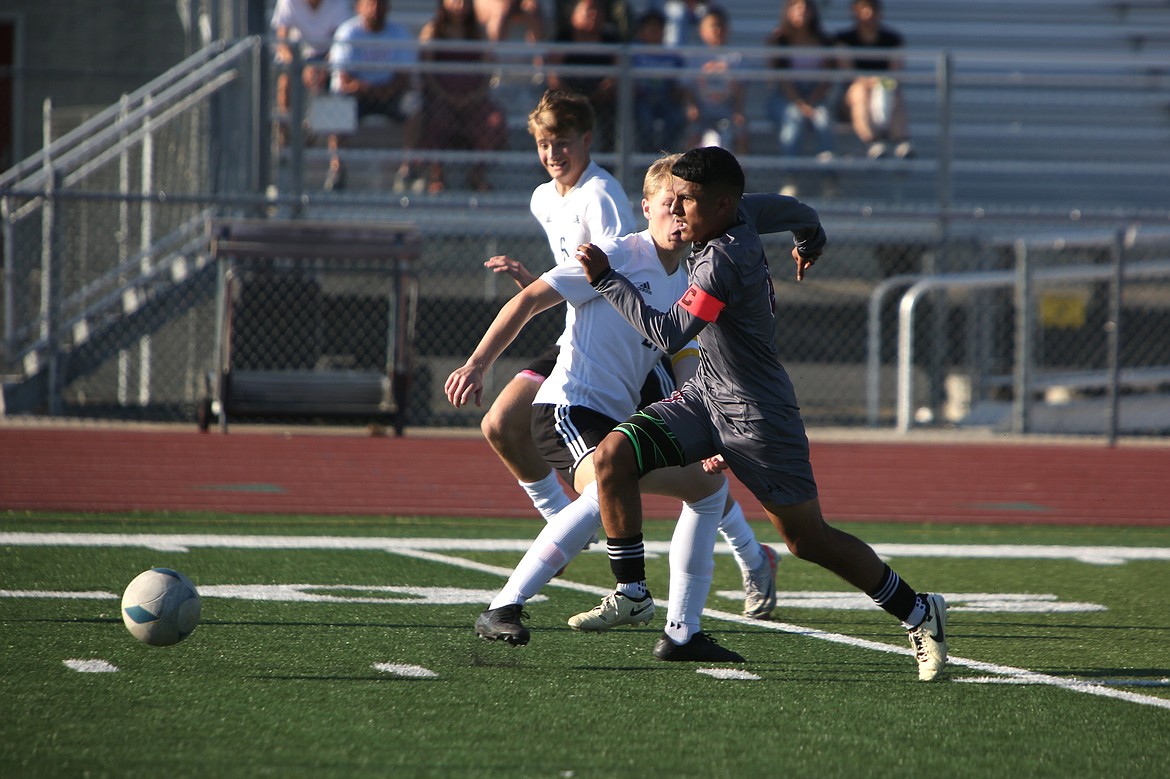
(929, 639)
(759, 586)
(615, 609)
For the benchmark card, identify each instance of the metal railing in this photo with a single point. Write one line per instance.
(1023, 281)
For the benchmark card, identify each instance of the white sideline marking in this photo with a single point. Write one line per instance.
(91, 666)
(1102, 682)
(307, 593)
(86, 595)
(729, 673)
(1097, 555)
(321, 593)
(409, 671)
(980, 602)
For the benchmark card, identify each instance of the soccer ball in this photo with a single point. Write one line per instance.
(160, 607)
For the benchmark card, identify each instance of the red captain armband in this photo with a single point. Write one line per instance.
(700, 304)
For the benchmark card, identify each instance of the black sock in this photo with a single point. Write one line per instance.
(896, 596)
(627, 559)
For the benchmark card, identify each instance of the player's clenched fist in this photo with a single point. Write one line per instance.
(593, 260)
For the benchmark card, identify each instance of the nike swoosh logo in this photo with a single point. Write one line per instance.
(637, 612)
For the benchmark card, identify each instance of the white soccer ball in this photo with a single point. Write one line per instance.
(161, 607)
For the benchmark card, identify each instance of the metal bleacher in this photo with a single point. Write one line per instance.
(1093, 128)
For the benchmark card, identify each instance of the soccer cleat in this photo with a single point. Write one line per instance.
(615, 609)
(759, 586)
(929, 639)
(503, 624)
(702, 648)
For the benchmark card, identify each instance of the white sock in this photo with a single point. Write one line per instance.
(547, 495)
(679, 632)
(560, 541)
(739, 536)
(692, 561)
(633, 590)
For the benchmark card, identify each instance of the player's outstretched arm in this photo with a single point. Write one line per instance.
(670, 331)
(780, 213)
(466, 382)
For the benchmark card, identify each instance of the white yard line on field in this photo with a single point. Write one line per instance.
(181, 542)
(91, 666)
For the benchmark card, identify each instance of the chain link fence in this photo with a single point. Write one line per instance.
(110, 291)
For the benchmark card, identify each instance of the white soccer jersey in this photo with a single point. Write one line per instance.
(314, 27)
(594, 209)
(605, 361)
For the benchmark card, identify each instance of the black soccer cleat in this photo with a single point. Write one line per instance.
(702, 648)
(503, 624)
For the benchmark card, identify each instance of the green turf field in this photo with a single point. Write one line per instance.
(344, 647)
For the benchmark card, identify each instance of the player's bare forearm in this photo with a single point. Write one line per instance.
(466, 383)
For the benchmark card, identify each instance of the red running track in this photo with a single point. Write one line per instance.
(119, 470)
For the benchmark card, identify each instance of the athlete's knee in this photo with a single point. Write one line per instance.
(805, 546)
(804, 531)
(614, 461)
(506, 427)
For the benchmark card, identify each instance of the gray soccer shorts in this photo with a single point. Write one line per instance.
(769, 455)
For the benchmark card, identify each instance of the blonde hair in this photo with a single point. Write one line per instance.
(560, 113)
(658, 175)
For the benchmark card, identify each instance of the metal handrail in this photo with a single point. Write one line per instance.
(90, 138)
(31, 166)
(987, 280)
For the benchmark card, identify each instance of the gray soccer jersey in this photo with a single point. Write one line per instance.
(730, 307)
(731, 289)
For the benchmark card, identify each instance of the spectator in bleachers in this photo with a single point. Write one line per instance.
(715, 111)
(512, 21)
(458, 109)
(498, 17)
(799, 105)
(587, 26)
(659, 116)
(309, 24)
(874, 100)
(682, 21)
(367, 66)
(617, 18)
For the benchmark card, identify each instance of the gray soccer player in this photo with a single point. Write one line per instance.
(740, 410)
